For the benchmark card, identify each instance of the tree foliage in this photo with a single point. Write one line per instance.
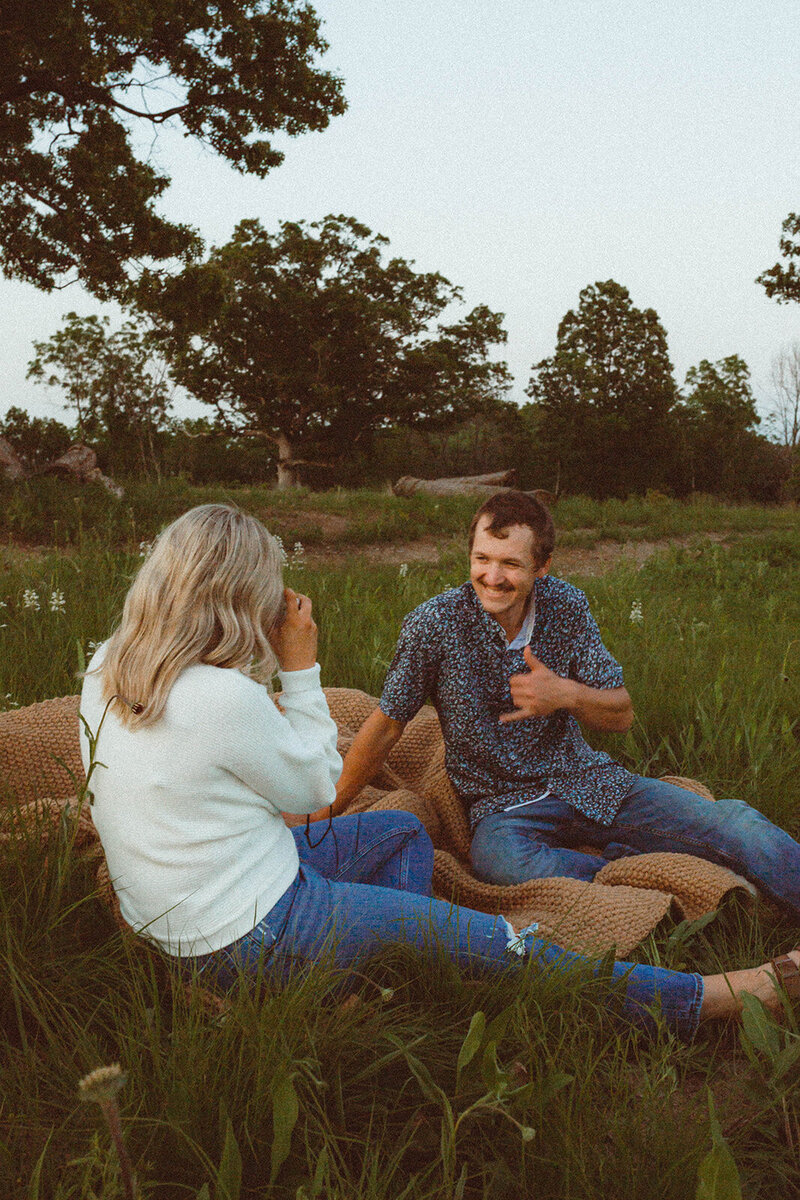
(312, 338)
(721, 397)
(116, 384)
(719, 417)
(80, 83)
(782, 282)
(37, 440)
(603, 400)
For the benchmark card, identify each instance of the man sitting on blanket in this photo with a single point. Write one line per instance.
(514, 663)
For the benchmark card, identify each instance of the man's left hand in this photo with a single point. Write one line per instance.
(537, 693)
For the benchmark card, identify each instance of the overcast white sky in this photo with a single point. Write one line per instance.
(525, 149)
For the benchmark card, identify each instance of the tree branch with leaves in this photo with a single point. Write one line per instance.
(79, 81)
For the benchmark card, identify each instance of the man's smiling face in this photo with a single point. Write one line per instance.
(503, 571)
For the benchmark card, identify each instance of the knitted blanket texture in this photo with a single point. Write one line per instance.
(41, 772)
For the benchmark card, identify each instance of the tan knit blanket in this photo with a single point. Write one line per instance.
(41, 770)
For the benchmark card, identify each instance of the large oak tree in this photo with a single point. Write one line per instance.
(81, 83)
(312, 338)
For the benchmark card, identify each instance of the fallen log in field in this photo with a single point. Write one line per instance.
(457, 485)
(480, 486)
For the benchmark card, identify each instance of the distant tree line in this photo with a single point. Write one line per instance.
(325, 360)
(322, 359)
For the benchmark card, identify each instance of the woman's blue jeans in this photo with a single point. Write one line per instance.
(541, 839)
(367, 884)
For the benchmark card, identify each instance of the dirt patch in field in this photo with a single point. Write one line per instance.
(392, 554)
(15, 554)
(598, 559)
(567, 560)
(329, 523)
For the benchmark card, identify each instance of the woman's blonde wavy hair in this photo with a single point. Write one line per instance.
(209, 592)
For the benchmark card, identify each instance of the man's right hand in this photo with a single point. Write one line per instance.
(294, 640)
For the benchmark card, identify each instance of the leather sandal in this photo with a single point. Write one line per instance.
(787, 975)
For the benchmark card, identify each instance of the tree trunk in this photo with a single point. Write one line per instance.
(287, 472)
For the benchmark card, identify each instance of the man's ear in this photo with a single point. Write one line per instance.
(545, 567)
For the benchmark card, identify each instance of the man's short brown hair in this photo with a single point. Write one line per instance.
(518, 508)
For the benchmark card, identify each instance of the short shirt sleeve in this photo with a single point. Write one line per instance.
(591, 663)
(411, 677)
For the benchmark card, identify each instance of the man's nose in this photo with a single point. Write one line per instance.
(493, 575)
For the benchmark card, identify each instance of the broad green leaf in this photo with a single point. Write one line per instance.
(784, 1061)
(494, 1077)
(496, 1029)
(553, 1083)
(318, 1182)
(471, 1044)
(229, 1173)
(430, 1089)
(717, 1175)
(687, 929)
(759, 1027)
(285, 1110)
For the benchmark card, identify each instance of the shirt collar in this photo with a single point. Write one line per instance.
(524, 636)
(494, 628)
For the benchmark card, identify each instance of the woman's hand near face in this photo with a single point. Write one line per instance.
(295, 639)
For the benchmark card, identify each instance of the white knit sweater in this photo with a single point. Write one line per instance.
(188, 809)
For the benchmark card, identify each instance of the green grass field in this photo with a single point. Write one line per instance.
(429, 1084)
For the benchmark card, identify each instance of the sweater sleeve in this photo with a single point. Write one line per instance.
(289, 758)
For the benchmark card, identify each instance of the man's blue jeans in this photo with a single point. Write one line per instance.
(541, 839)
(367, 884)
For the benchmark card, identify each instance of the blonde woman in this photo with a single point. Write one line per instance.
(199, 763)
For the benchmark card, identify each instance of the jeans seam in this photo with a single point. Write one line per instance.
(672, 834)
(407, 835)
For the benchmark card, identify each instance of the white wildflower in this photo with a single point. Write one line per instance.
(403, 570)
(298, 559)
(30, 599)
(57, 602)
(144, 549)
(91, 647)
(102, 1084)
(8, 701)
(281, 549)
(3, 604)
(636, 613)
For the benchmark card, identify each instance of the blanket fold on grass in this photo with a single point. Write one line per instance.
(41, 773)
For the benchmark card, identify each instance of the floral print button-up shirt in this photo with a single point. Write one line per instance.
(452, 653)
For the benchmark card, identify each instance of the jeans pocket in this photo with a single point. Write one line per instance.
(258, 944)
